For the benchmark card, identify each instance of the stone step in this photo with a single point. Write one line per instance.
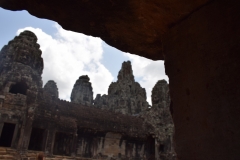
(60, 158)
(7, 157)
(12, 154)
(2, 149)
(31, 154)
(2, 152)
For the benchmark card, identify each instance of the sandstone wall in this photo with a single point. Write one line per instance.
(202, 62)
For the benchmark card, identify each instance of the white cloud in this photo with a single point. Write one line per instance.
(147, 72)
(69, 55)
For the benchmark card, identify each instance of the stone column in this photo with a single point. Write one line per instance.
(14, 139)
(25, 134)
(157, 150)
(1, 127)
(2, 97)
(26, 137)
(27, 129)
(44, 142)
(74, 145)
(50, 142)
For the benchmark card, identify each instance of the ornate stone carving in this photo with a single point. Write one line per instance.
(125, 96)
(51, 89)
(82, 91)
(21, 66)
(160, 94)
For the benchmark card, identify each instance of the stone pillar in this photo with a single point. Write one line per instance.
(25, 134)
(15, 139)
(1, 127)
(44, 142)
(26, 137)
(74, 145)
(2, 97)
(20, 141)
(202, 61)
(157, 150)
(50, 142)
(27, 129)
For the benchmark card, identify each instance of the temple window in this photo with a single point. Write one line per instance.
(19, 87)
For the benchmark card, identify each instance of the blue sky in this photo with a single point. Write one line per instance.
(68, 55)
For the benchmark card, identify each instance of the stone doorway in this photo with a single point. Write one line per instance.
(63, 144)
(150, 148)
(7, 134)
(37, 139)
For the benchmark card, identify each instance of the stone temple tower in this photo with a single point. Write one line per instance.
(125, 96)
(160, 118)
(21, 66)
(160, 94)
(50, 90)
(82, 92)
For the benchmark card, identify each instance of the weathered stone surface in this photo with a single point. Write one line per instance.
(125, 96)
(125, 75)
(82, 91)
(56, 127)
(101, 101)
(160, 118)
(160, 95)
(202, 59)
(21, 67)
(130, 25)
(50, 88)
(21, 72)
(203, 62)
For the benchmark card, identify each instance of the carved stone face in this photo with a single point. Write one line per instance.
(24, 57)
(155, 99)
(39, 66)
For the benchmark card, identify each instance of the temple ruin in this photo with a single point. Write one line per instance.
(124, 96)
(199, 43)
(35, 123)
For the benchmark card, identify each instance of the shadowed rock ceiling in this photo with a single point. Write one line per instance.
(134, 26)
